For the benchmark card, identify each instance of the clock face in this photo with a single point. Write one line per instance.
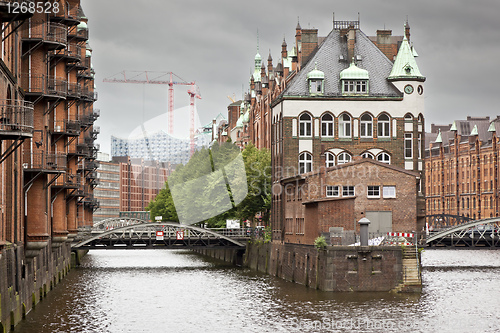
(408, 89)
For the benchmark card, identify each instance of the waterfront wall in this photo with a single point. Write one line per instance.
(337, 268)
(24, 282)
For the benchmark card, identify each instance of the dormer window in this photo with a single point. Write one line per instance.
(354, 80)
(315, 80)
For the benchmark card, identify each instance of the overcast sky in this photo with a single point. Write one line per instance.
(214, 43)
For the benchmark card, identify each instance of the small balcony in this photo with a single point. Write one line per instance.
(87, 94)
(44, 85)
(72, 53)
(78, 149)
(91, 202)
(68, 181)
(16, 119)
(74, 91)
(67, 15)
(78, 33)
(66, 127)
(88, 165)
(40, 161)
(53, 35)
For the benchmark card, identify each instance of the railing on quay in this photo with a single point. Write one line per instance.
(16, 116)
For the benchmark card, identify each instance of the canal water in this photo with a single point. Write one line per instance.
(119, 291)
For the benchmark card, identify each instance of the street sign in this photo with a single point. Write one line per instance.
(179, 234)
(159, 235)
(158, 218)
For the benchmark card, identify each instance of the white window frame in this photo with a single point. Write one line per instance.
(373, 191)
(368, 155)
(366, 130)
(315, 86)
(332, 191)
(384, 158)
(384, 126)
(348, 191)
(345, 126)
(341, 158)
(305, 126)
(305, 162)
(389, 191)
(408, 147)
(327, 126)
(329, 159)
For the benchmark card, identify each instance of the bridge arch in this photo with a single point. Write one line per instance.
(141, 224)
(486, 231)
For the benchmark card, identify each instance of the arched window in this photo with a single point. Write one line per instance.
(305, 125)
(327, 125)
(367, 155)
(343, 158)
(305, 162)
(384, 158)
(329, 159)
(345, 126)
(408, 117)
(366, 126)
(384, 126)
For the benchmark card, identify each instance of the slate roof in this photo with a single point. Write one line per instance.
(327, 57)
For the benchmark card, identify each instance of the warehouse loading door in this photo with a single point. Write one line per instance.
(381, 221)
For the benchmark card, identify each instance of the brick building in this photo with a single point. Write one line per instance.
(339, 196)
(462, 168)
(344, 99)
(47, 148)
(107, 191)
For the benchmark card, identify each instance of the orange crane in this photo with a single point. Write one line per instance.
(149, 77)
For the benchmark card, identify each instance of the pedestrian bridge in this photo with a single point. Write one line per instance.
(478, 233)
(132, 233)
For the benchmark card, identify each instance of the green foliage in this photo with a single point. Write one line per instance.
(320, 243)
(267, 234)
(200, 176)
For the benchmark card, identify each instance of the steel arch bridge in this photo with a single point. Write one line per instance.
(132, 233)
(440, 221)
(477, 233)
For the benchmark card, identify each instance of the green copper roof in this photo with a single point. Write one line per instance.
(246, 117)
(353, 72)
(316, 73)
(474, 131)
(405, 66)
(453, 127)
(492, 127)
(82, 26)
(439, 139)
(88, 53)
(239, 123)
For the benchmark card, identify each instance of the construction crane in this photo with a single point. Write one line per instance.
(149, 77)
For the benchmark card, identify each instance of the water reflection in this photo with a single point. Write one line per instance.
(177, 291)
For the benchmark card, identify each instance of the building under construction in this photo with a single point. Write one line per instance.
(47, 150)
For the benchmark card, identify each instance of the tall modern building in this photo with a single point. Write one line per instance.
(47, 148)
(462, 168)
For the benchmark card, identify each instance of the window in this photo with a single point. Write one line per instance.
(347, 191)
(345, 126)
(408, 145)
(299, 226)
(305, 125)
(332, 191)
(355, 86)
(383, 126)
(305, 162)
(367, 155)
(384, 158)
(316, 86)
(389, 191)
(373, 191)
(366, 126)
(327, 125)
(408, 117)
(419, 145)
(330, 159)
(343, 158)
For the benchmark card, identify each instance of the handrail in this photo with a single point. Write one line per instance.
(46, 31)
(16, 115)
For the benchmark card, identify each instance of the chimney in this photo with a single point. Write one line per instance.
(309, 43)
(351, 41)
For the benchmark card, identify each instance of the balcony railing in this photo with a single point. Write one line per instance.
(41, 84)
(75, 32)
(74, 90)
(87, 93)
(88, 165)
(16, 118)
(68, 127)
(48, 32)
(40, 160)
(66, 14)
(68, 180)
(78, 149)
